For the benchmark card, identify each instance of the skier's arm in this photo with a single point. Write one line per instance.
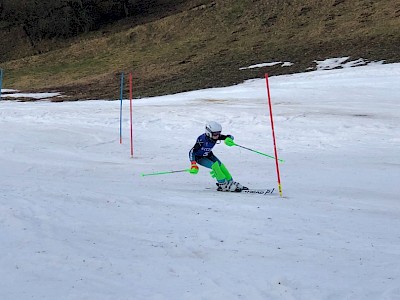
(223, 137)
(228, 140)
(192, 152)
(194, 169)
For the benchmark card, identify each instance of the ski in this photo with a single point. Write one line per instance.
(251, 191)
(258, 191)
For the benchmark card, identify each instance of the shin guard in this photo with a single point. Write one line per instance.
(224, 170)
(217, 173)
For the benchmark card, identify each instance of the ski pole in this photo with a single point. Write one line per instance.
(166, 172)
(281, 160)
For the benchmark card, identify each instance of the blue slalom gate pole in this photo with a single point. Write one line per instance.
(1, 81)
(120, 109)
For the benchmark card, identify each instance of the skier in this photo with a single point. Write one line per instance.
(201, 154)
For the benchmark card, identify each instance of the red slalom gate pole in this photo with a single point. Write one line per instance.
(273, 135)
(130, 102)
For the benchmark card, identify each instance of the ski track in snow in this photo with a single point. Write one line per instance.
(79, 222)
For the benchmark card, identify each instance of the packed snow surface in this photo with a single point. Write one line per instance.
(78, 221)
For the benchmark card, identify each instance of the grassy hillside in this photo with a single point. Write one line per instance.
(204, 43)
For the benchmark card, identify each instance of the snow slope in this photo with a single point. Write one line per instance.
(79, 222)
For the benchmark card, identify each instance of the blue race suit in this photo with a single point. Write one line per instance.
(202, 150)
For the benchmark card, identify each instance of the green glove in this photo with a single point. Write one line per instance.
(194, 169)
(229, 142)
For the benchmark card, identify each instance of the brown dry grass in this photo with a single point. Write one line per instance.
(204, 46)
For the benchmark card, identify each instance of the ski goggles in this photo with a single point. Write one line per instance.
(217, 133)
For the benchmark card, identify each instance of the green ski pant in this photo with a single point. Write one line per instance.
(220, 172)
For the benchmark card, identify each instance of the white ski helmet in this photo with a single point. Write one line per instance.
(212, 127)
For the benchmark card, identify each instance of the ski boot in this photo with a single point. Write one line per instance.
(222, 187)
(230, 186)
